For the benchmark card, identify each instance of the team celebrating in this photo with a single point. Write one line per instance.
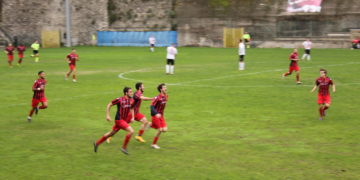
(128, 105)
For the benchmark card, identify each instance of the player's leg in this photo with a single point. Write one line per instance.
(308, 55)
(288, 73)
(321, 111)
(129, 131)
(156, 138)
(325, 107)
(172, 66)
(167, 66)
(105, 136)
(241, 63)
(34, 105)
(10, 60)
(144, 124)
(298, 77)
(44, 105)
(37, 57)
(74, 74)
(21, 56)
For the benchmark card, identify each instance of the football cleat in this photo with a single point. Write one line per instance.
(29, 119)
(124, 151)
(155, 146)
(140, 139)
(95, 147)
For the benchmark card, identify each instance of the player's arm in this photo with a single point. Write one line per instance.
(108, 118)
(314, 88)
(132, 114)
(333, 88)
(146, 98)
(67, 59)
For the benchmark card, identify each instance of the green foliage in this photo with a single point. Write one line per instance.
(220, 3)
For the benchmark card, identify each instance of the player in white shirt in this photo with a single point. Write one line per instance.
(307, 46)
(241, 55)
(152, 41)
(171, 53)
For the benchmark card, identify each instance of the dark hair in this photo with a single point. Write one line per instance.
(160, 86)
(126, 89)
(40, 72)
(138, 85)
(240, 40)
(324, 70)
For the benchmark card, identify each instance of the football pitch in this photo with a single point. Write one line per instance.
(223, 123)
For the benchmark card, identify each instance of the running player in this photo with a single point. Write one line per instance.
(35, 46)
(171, 53)
(152, 41)
(124, 116)
(157, 114)
(324, 100)
(138, 97)
(294, 58)
(9, 51)
(39, 95)
(20, 49)
(71, 59)
(307, 46)
(241, 55)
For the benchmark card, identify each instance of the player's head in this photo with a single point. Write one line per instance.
(173, 45)
(9, 44)
(139, 86)
(240, 40)
(41, 74)
(295, 50)
(128, 91)
(162, 88)
(323, 72)
(36, 41)
(73, 50)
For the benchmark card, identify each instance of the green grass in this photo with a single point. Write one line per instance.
(223, 123)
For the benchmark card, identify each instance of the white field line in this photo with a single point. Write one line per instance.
(186, 83)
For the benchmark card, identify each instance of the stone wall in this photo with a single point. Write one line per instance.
(25, 19)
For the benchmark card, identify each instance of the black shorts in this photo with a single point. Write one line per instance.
(35, 51)
(152, 45)
(246, 40)
(241, 58)
(307, 51)
(170, 62)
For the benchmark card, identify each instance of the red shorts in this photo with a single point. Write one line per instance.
(21, 55)
(72, 66)
(293, 68)
(35, 102)
(324, 99)
(158, 122)
(139, 116)
(10, 58)
(120, 124)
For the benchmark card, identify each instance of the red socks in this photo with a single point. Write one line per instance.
(31, 112)
(156, 138)
(101, 140)
(141, 132)
(42, 107)
(126, 140)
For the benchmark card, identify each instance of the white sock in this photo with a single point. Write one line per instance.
(303, 57)
(239, 65)
(172, 69)
(308, 57)
(152, 49)
(167, 68)
(242, 65)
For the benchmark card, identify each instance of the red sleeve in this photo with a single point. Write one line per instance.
(331, 82)
(317, 82)
(155, 101)
(115, 101)
(36, 85)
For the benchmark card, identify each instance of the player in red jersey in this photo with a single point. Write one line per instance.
(138, 97)
(9, 51)
(124, 116)
(157, 113)
(21, 49)
(294, 58)
(71, 59)
(324, 100)
(39, 95)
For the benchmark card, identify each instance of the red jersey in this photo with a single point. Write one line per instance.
(124, 106)
(20, 49)
(293, 56)
(10, 50)
(137, 101)
(72, 57)
(39, 83)
(159, 104)
(323, 83)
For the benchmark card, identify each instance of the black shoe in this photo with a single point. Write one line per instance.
(36, 110)
(95, 147)
(124, 151)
